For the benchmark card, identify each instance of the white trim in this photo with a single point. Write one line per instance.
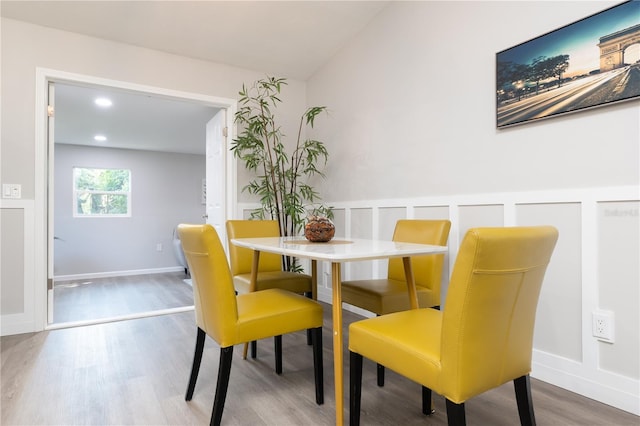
(603, 386)
(43, 77)
(75, 191)
(117, 273)
(120, 318)
(589, 277)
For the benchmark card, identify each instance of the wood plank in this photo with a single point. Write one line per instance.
(92, 299)
(136, 372)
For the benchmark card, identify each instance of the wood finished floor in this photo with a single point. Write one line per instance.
(135, 373)
(99, 298)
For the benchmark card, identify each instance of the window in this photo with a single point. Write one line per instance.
(101, 192)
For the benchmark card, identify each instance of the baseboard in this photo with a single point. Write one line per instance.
(603, 386)
(16, 324)
(118, 273)
(609, 388)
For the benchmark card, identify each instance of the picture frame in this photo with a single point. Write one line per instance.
(586, 64)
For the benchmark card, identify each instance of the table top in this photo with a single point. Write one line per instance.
(337, 250)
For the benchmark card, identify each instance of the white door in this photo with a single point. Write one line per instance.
(216, 172)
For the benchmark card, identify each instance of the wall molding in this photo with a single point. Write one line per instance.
(584, 377)
(603, 386)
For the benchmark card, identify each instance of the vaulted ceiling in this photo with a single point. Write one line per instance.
(286, 38)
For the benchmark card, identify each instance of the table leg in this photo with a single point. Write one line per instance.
(337, 341)
(253, 284)
(411, 283)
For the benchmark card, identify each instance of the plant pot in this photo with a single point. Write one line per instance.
(319, 229)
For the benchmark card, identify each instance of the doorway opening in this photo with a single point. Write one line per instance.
(151, 272)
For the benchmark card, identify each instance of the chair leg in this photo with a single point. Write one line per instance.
(309, 295)
(355, 387)
(455, 414)
(380, 372)
(522, 386)
(254, 349)
(318, 368)
(195, 367)
(224, 371)
(277, 345)
(427, 409)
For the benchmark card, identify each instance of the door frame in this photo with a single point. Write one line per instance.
(44, 177)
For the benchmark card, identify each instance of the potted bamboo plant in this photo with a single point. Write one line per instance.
(282, 172)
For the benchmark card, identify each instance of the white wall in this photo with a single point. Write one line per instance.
(165, 191)
(413, 134)
(412, 102)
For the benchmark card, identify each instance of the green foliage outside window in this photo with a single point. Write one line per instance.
(101, 192)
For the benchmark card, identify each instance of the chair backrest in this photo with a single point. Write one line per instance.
(213, 291)
(242, 258)
(427, 270)
(489, 312)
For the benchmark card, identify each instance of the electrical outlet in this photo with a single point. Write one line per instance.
(159, 247)
(604, 326)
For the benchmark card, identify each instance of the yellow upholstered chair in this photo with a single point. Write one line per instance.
(387, 295)
(232, 319)
(270, 273)
(482, 338)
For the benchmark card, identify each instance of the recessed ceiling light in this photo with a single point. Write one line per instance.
(100, 138)
(103, 102)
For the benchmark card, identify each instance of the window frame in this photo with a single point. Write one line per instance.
(75, 192)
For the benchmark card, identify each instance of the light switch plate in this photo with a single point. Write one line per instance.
(11, 190)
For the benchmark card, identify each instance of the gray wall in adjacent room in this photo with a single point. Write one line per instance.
(165, 191)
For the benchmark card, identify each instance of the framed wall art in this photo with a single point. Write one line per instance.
(586, 64)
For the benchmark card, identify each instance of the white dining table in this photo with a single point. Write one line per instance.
(338, 251)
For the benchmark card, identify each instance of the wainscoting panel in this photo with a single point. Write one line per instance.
(17, 267)
(594, 267)
(559, 317)
(618, 291)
